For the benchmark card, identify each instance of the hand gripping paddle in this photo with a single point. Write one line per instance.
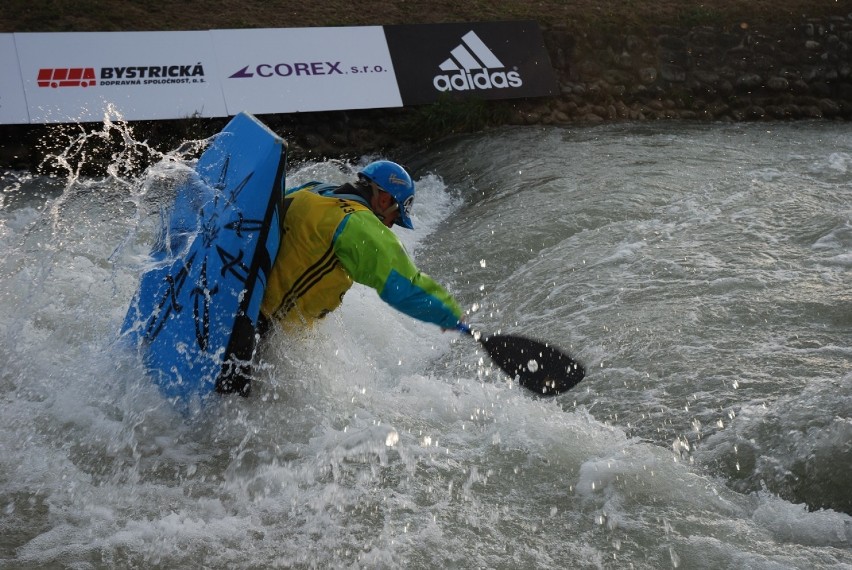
(538, 367)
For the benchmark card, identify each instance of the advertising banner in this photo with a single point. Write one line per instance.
(305, 69)
(78, 77)
(486, 60)
(13, 104)
(83, 77)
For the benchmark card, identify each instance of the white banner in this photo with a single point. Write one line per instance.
(83, 77)
(13, 104)
(78, 77)
(305, 69)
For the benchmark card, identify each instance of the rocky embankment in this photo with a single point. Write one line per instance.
(798, 71)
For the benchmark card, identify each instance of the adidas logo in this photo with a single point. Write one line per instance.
(471, 66)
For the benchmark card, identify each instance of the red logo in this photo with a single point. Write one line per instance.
(66, 77)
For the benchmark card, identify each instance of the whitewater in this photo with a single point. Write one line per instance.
(700, 271)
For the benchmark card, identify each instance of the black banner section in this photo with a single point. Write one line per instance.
(486, 60)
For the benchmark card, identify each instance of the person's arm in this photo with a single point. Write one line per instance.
(373, 256)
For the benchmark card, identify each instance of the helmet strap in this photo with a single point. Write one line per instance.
(385, 213)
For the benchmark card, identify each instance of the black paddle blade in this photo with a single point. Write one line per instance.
(538, 367)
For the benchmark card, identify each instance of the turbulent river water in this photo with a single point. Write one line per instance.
(701, 272)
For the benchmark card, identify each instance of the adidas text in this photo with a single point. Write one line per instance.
(482, 79)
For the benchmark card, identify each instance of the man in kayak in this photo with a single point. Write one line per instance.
(336, 235)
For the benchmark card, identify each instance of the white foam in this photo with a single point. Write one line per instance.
(839, 161)
(797, 524)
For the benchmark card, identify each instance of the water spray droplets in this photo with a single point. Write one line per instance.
(392, 438)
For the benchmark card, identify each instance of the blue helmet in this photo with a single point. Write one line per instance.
(393, 179)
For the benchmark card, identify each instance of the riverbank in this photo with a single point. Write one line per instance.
(716, 61)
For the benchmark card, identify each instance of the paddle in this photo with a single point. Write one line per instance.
(538, 367)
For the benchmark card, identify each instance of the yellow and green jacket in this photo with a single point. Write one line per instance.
(331, 240)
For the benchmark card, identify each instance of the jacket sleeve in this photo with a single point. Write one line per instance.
(373, 256)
